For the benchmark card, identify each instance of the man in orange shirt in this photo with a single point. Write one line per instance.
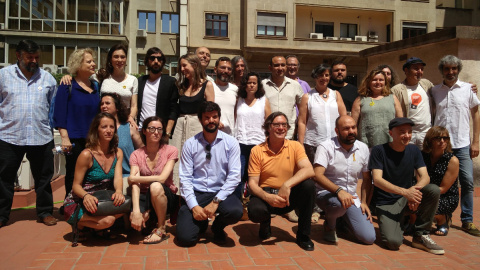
(279, 180)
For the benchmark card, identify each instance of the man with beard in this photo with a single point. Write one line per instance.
(337, 165)
(402, 188)
(282, 92)
(279, 179)
(204, 54)
(225, 94)
(348, 91)
(26, 94)
(455, 103)
(209, 173)
(157, 92)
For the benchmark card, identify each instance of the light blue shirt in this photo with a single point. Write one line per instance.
(219, 174)
(24, 106)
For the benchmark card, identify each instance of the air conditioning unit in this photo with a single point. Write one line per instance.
(142, 33)
(62, 70)
(316, 35)
(372, 34)
(346, 38)
(2, 26)
(332, 38)
(360, 38)
(50, 68)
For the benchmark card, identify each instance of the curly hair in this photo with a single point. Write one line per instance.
(435, 131)
(122, 111)
(450, 60)
(242, 91)
(364, 89)
(76, 58)
(198, 76)
(146, 122)
(92, 136)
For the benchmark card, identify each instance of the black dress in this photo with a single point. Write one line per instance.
(449, 200)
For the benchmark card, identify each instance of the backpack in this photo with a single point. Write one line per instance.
(51, 111)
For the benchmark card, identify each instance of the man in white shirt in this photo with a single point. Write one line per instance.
(338, 163)
(282, 92)
(413, 94)
(225, 94)
(454, 103)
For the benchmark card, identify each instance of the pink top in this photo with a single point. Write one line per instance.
(166, 152)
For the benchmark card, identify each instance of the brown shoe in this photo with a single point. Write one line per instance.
(49, 220)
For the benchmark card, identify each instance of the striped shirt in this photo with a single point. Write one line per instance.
(24, 106)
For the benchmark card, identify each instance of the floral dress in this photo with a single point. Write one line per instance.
(449, 200)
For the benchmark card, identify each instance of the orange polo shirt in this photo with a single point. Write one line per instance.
(275, 169)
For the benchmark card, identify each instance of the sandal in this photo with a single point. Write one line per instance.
(163, 236)
(442, 230)
(315, 217)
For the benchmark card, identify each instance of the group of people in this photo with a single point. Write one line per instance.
(288, 146)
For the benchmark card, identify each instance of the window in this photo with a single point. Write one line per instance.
(271, 24)
(410, 29)
(146, 20)
(326, 28)
(348, 30)
(169, 23)
(216, 25)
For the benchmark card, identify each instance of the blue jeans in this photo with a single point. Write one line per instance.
(245, 151)
(465, 176)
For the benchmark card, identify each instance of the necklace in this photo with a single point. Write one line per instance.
(372, 103)
(325, 95)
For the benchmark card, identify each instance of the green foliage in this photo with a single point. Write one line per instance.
(57, 76)
(137, 75)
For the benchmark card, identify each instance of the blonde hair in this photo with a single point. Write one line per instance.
(198, 75)
(364, 89)
(76, 58)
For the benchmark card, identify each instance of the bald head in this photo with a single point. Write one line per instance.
(346, 129)
(341, 120)
(204, 54)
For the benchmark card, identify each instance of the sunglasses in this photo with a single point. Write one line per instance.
(445, 138)
(152, 58)
(207, 149)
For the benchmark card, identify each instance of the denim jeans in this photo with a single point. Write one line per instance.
(465, 176)
(245, 151)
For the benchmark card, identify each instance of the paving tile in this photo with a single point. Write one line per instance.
(107, 260)
(351, 258)
(288, 267)
(62, 264)
(198, 249)
(90, 258)
(41, 263)
(286, 254)
(146, 253)
(56, 247)
(255, 267)
(383, 261)
(93, 266)
(84, 249)
(132, 266)
(257, 252)
(158, 262)
(241, 259)
(222, 265)
(350, 266)
(188, 265)
(215, 257)
(115, 251)
(216, 249)
(72, 255)
(306, 263)
(177, 255)
(273, 261)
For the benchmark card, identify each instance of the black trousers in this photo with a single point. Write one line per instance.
(41, 165)
(229, 212)
(302, 198)
(71, 162)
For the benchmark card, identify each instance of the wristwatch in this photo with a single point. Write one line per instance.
(216, 200)
(169, 135)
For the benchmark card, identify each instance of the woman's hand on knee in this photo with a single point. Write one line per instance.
(118, 198)
(137, 221)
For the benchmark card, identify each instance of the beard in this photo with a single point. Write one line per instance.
(346, 140)
(211, 130)
(30, 67)
(338, 81)
(223, 78)
(155, 69)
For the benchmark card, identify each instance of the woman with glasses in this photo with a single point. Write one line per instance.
(251, 110)
(374, 108)
(128, 136)
(443, 169)
(151, 179)
(318, 111)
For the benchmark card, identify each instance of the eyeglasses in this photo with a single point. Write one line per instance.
(277, 125)
(153, 129)
(445, 138)
(152, 58)
(292, 65)
(208, 147)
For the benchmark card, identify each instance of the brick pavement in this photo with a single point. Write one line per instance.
(242, 251)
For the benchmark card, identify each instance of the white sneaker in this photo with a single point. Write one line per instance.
(426, 243)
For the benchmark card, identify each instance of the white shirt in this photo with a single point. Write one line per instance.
(126, 88)
(453, 110)
(341, 167)
(149, 101)
(321, 117)
(284, 99)
(248, 127)
(225, 97)
(419, 108)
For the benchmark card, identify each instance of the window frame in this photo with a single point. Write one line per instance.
(146, 20)
(219, 21)
(170, 22)
(276, 28)
(414, 27)
(348, 25)
(323, 23)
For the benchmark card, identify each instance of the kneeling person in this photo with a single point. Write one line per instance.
(209, 173)
(337, 164)
(394, 166)
(151, 178)
(279, 173)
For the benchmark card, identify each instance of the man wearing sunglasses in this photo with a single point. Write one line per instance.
(209, 173)
(279, 179)
(157, 93)
(454, 104)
